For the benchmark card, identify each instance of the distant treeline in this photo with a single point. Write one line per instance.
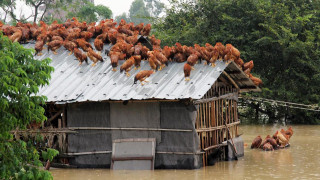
(281, 36)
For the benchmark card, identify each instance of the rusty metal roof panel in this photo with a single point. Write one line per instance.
(73, 83)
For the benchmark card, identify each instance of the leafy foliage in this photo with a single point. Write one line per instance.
(142, 11)
(20, 78)
(86, 11)
(123, 16)
(282, 37)
(49, 154)
(154, 7)
(7, 6)
(39, 9)
(103, 12)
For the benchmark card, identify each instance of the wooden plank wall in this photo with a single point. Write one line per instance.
(211, 116)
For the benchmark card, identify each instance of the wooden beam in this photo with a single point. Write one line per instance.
(109, 152)
(131, 158)
(129, 129)
(249, 87)
(53, 117)
(222, 79)
(62, 130)
(231, 80)
(234, 72)
(87, 153)
(233, 96)
(217, 127)
(64, 116)
(214, 146)
(242, 80)
(181, 153)
(141, 101)
(61, 165)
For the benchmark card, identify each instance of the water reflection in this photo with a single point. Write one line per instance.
(300, 161)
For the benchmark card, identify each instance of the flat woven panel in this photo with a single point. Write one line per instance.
(135, 115)
(91, 114)
(176, 115)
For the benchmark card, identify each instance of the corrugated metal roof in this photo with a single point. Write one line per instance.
(73, 83)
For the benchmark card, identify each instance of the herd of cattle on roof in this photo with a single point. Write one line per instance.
(75, 36)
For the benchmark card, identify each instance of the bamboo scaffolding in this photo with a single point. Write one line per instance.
(216, 112)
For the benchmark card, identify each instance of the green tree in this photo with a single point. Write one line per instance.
(39, 9)
(154, 7)
(7, 6)
(103, 12)
(281, 36)
(56, 11)
(142, 11)
(20, 78)
(122, 16)
(86, 11)
(138, 12)
(36, 4)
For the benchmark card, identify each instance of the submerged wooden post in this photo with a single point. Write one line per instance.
(60, 142)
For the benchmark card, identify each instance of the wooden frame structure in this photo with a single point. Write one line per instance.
(217, 111)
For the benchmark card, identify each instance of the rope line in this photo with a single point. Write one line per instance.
(315, 108)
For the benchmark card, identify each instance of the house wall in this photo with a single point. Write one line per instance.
(89, 115)
(173, 149)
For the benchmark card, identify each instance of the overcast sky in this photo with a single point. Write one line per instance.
(117, 6)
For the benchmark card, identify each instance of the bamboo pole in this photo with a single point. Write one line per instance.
(237, 118)
(229, 113)
(208, 123)
(224, 96)
(109, 152)
(64, 117)
(222, 117)
(197, 121)
(218, 110)
(215, 122)
(64, 125)
(206, 134)
(231, 80)
(214, 146)
(129, 129)
(202, 142)
(60, 142)
(55, 131)
(217, 114)
(87, 153)
(181, 153)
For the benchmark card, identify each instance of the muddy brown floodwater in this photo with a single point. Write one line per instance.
(300, 161)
